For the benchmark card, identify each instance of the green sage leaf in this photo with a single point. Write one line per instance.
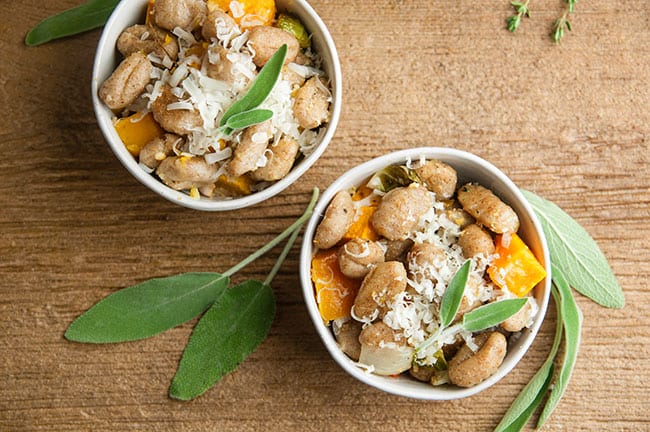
(228, 332)
(572, 319)
(261, 87)
(576, 254)
(532, 394)
(248, 118)
(519, 422)
(148, 308)
(492, 314)
(453, 295)
(79, 19)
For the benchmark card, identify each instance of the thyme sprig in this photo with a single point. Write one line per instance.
(560, 25)
(563, 21)
(522, 11)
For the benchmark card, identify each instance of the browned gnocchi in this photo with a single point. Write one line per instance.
(403, 235)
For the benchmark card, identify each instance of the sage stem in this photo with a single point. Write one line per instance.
(282, 257)
(283, 235)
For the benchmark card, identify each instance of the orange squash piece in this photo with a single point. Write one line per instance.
(137, 130)
(235, 185)
(361, 227)
(361, 193)
(255, 12)
(516, 267)
(149, 17)
(335, 292)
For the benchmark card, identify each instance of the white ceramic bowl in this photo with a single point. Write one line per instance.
(107, 58)
(469, 168)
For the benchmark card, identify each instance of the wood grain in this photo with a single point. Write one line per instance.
(570, 122)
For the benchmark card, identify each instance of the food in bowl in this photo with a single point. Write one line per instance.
(187, 65)
(384, 255)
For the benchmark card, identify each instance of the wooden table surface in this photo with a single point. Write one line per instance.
(570, 122)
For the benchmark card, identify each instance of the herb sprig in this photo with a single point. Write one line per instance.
(577, 262)
(244, 112)
(82, 18)
(236, 322)
(563, 21)
(559, 25)
(522, 11)
(481, 318)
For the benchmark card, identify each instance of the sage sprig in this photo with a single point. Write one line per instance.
(480, 318)
(256, 94)
(577, 262)
(246, 313)
(236, 322)
(73, 21)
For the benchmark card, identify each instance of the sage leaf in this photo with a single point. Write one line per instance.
(148, 308)
(532, 394)
(492, 314)
(261, 87)
(518, 423)
(453, 295)
(572, 319)
(228, 332)
(576, 254)
(79, 19)
(248, 118)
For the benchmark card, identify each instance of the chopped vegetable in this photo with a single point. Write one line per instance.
(149, 17)
(515, 267)
(247, 13)
(295, 27)
(235, 185)
(361, 227)
(393, 176)
(335, 293)
(362, 193)
(137, 130)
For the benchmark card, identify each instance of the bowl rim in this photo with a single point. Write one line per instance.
(417, 390)
(121, 18)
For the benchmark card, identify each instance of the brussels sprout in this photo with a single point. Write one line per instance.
(294, 26)
(392, 177)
